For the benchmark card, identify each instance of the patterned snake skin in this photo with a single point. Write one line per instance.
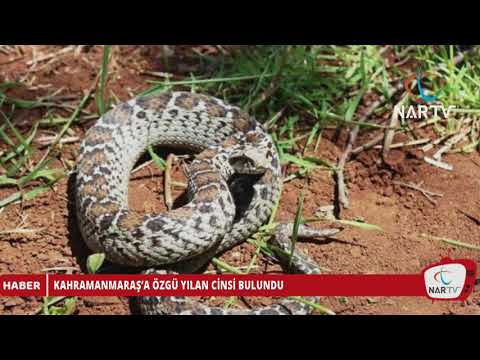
(227, 142)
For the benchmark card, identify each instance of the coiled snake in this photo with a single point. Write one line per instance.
(227, 142)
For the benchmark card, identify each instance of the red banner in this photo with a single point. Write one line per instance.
(23, 285)
(446, 280)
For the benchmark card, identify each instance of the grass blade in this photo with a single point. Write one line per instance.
(10, 199)
(100, 96)
(28, 195)
(160, 85)
(296, 226)
(361, 225)
(4, 180)
(19, 149)
(453, 242)
(157, 159)
(288, 158)
(94, 262)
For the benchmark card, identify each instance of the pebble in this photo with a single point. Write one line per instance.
(356, 251)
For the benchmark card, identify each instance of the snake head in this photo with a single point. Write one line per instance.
(250, 162)
(253, 155)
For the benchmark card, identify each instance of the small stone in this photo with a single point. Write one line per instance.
(356, 251)
(388, 191)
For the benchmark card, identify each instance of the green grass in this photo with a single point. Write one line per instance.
(102, 103)
(297, 91)
(15, 161)
(49, 306)
(296, 225)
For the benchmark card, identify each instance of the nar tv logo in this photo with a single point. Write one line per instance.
(445, 281)
(426, 101)
(450, 279)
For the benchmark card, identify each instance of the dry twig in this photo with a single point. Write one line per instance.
(168, 181)
(51, 55)
(389, 132)
(49, 140)
(437, 163)
(426, 193)
(341, 190)
(450, 142)
(405, 144)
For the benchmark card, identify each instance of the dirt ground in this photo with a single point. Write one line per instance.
(402, 213)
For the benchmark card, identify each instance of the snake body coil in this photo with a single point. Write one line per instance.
(227, 141)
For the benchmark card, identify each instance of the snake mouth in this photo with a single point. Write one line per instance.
(244, 165)
(242, 189)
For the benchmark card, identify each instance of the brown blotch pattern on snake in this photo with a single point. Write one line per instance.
(121, 115)
(207, 194)
(187, 101)
(156, 103)
(130, 221)
(207, 154)
(203, 179)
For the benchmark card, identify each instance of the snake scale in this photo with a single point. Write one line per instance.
(227, 143)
